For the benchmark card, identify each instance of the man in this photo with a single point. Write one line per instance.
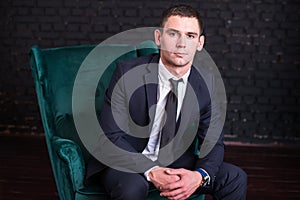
(179, 37)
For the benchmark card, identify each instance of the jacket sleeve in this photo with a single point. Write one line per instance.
(210, 132)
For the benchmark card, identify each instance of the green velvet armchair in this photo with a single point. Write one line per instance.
(54, 71)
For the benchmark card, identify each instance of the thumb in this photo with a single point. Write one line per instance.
(169, 171)
(173, 171)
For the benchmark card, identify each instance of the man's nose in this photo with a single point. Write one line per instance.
(181, 42)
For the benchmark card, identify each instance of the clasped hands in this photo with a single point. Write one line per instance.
(175, 184)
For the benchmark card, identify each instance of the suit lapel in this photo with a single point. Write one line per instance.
(190, 112)
(151, 84)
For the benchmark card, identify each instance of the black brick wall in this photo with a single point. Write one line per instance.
(254, 43)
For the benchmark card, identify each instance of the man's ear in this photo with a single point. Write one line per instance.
(201, 43)
(157, 36)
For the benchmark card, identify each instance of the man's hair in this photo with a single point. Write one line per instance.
(182, 11)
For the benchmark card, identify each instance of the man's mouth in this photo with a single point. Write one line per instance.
(179, 54)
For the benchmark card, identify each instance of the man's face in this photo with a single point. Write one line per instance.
(179, 40)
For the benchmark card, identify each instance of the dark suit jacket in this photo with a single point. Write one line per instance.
(134, 93)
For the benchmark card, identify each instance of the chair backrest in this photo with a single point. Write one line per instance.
(54, 72)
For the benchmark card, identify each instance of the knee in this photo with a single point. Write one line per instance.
(241, 177)
(134, 191)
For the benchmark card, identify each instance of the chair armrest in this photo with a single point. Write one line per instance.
(70, 153)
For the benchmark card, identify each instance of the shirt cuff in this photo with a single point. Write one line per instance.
(146, 174)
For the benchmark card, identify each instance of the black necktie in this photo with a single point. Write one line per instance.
(169, 129)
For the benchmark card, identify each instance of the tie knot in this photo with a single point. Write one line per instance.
(174, 84)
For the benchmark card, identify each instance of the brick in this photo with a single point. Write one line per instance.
(232, 116)
(237, 6)
(26, 19)
(242, 90)
(240, 23)
(21, 27)
(50, 19)
(23, 3)
(77, 12)
(267, 24)
(213, 22)
(261, 83)
(85, 28)
(224, 32)
(213, 14)
(64, 11)
(23, 11)
(77, 4)
(276, 92)
(99, 28)
(275, 83)
(217, 39)
(290, 100)
(21, 34)
(46, 27)
(239, 15)
(249, 48)
(72, 42)
(276, 100)
(260, 116)
(37, 11)
(296, 92)
(247, 116)
(263, 49)
(289, 108)
(236, 74)
(76, 19)
(46, 3)
(241, 39)
(289, 75)
(236, 31)
(224, 14)
(130, 12)
(73, 27)
(236, 107)
(59, 27)
(75, 35)
(235, 99)
(248, 82)
(235, 48)
(50, 11)
(113, 29)
(48, 35)
(249, 99)
(289, 84)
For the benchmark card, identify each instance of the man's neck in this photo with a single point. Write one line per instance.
(178, 71)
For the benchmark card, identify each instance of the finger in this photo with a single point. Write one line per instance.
(171, 186)
(171, 194)
(174, 171)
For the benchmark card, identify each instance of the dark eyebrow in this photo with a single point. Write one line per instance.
(189, 33)
(171, 29)
(192, 33)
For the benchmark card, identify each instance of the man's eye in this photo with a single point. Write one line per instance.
(191, 36)
(172, 34)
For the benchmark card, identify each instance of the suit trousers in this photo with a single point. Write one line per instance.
(230, 183)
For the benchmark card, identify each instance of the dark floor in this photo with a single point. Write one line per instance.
(25, 172)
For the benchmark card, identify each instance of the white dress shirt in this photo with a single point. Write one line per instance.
(164, 86)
